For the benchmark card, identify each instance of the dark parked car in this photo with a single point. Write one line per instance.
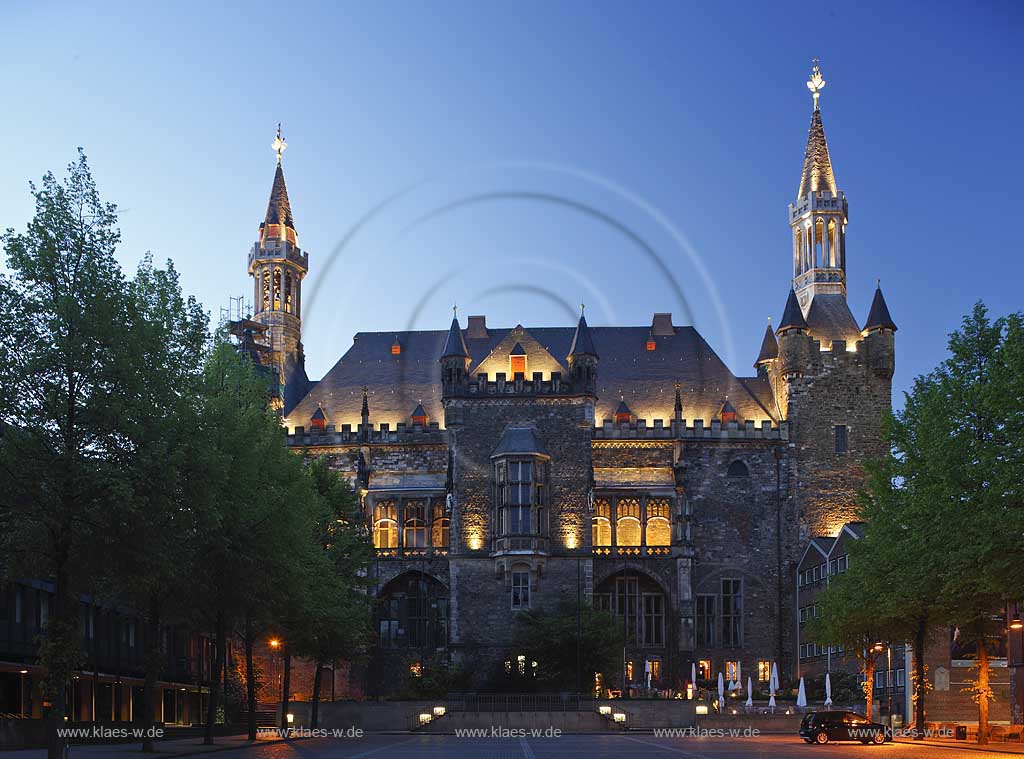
(822, 727)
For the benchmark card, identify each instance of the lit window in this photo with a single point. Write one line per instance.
(704, 669)
(517, 365)
(764, 671)
(654, 666)
(840, 438)
(627, 525)
(318, 421)
(601, 524)
(629, 671)
(520, 589)
(659, 528)
(396, 348)
(385, 525)
(439, 526)
(651, 344)
(416, 669)
(732, 671)
(414, 533)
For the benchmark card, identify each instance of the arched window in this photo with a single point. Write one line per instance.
(627, 522)
(265, 279)
(413, 613)
(414, 525)
(659, 525)
(819, 240)
(833, 244)
(288, 291)
(385, 525)
(277, 288)
(439, 526)
(738, 469)
(601, 523)
(798, 244)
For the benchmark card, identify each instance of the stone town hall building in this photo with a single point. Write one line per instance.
(504, 469)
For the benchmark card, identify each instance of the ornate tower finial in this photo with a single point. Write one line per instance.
(583, 307)
(816, 83)
(455, 310)
(279, 145)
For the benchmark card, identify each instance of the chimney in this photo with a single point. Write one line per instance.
(476, 329)
(662, 325)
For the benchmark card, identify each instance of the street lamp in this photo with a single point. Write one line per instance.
(888, 675)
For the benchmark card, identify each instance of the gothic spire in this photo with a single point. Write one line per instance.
(582, 342)
(878, 316)
(455, 344)
(817, 174)
(769, 346)
(792, 317)
(279, 209)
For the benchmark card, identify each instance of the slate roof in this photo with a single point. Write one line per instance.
(455, 344)
(519, 440)
(769, 346)
(645, 379)
(829, 319)
(792, 316)
(817, 174)
(582, 340)
(878, 316)
(279, 210)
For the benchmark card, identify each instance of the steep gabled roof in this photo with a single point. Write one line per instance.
(878, 315)
(829, 318)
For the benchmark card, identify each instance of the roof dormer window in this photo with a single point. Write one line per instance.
(318, 422)
(517, 361)
(419, 416)
(396, 347)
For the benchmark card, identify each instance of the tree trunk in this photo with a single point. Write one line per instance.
(250, 679)
(218, 657)
(314, 708)
(982, 691)
(286, 685)
(869, 690)
(919, 683)
(153, 665)
(58, 679)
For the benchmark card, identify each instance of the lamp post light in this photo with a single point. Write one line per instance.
(878, 647)
(1015, 660)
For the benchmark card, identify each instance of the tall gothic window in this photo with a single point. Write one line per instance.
(439, 525)
(385, 525)
(265, 287)
(732, 612)
(521, 496)
(659, 528)
(520, 588)
(277, 288)
(601, 523)
(654, 619)
(627, 526)
(833, 244)
(706, 620)
(819, 242)
(414, 534)
(288, 291)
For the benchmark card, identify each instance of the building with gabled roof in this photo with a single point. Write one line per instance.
(625, 466)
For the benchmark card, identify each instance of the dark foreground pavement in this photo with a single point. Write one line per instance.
(588, 747)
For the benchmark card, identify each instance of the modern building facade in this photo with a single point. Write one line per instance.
(526, 467)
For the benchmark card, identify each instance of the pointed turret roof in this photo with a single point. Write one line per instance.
(817, 174)
(792, 317)
(418, 411)
(582, 342)
(878, 316)
(319, 414)
(455, 345)
(623, 408)
(769, 346)
(727, 408)
(279, 210)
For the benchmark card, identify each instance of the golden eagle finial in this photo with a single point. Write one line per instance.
(816, 83)
(278, 145)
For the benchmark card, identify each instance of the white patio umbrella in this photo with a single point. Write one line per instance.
(828, 690)
(693, 676)
(775, 676)
(771, 688)
(750, 694)
(721, 692)
(739, 675)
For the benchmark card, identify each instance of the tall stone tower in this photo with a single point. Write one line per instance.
(832, 379)
(278, 266)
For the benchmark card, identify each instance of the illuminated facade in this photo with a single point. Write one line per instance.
(504, 469)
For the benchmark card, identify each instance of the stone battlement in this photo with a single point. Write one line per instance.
(481, 385)
(715, 431)
(382, 435)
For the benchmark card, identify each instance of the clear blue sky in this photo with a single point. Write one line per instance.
(526, 148)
